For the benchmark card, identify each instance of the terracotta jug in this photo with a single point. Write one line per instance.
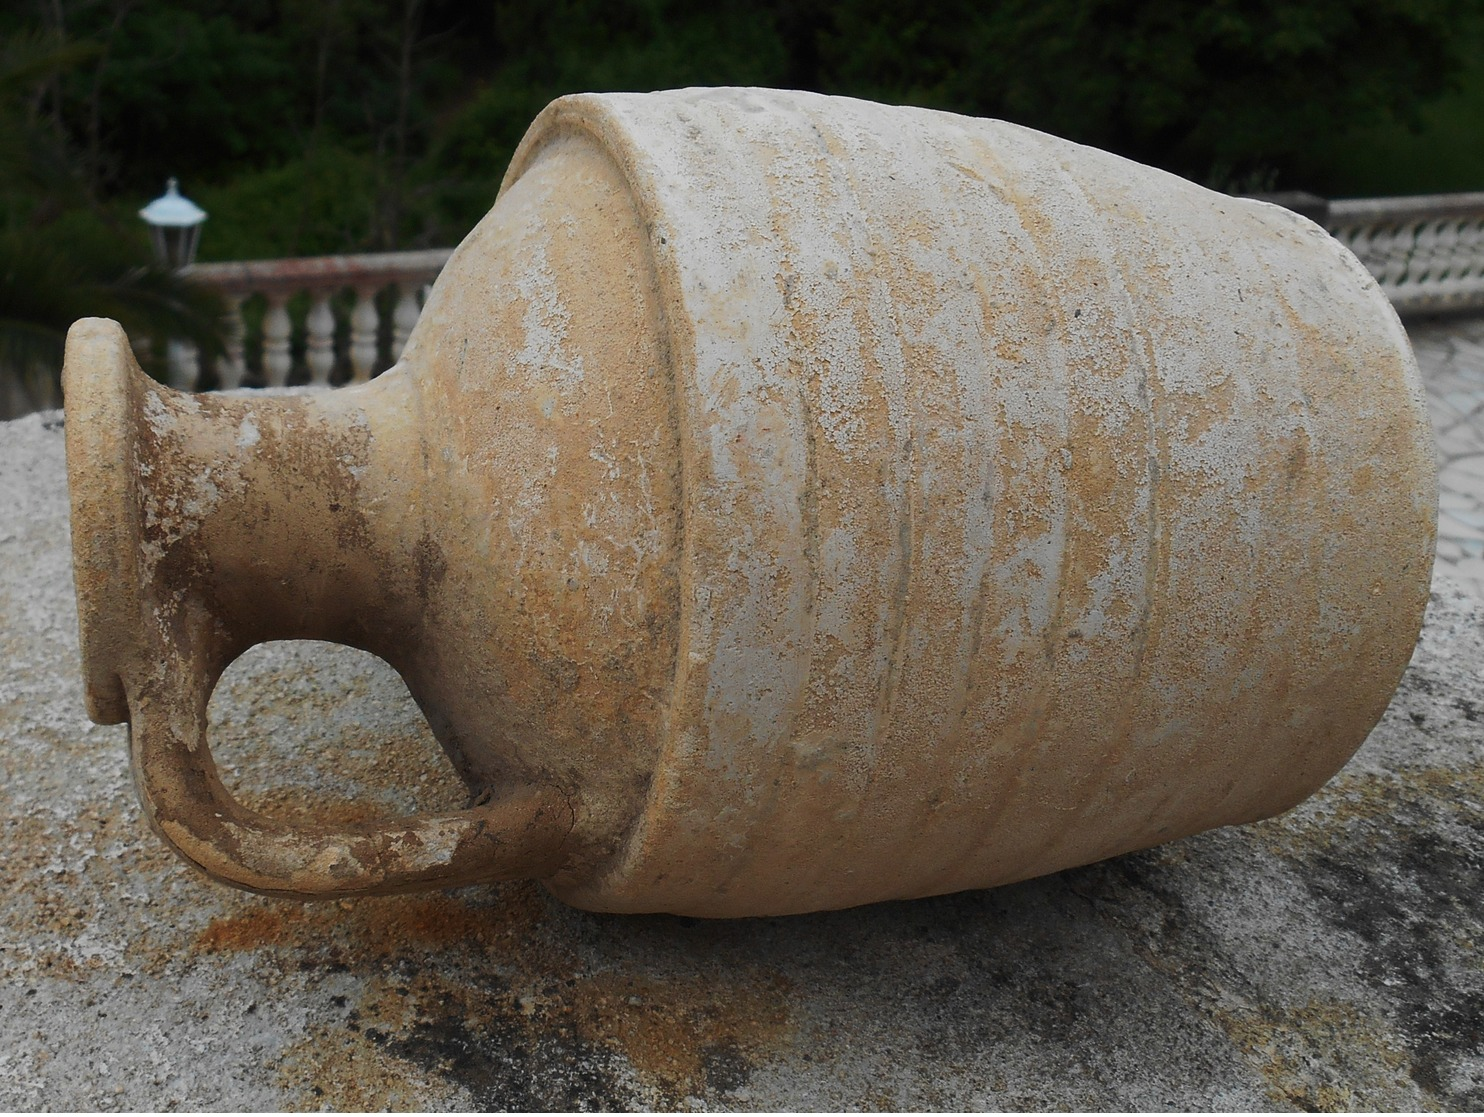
(788, 502)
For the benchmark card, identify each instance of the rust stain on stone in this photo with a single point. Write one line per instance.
(375, 928)
(475, 994)
(674, 1031)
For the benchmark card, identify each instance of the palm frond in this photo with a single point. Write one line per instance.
(153, 301)
(48, 282)
(34, 159)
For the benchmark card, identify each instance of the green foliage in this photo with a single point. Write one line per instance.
(35, 172)
(318, 204)
(178, 81)
(570, 46)
(1217, 90)
(347, 125)
(1440, 152)
(61, 256)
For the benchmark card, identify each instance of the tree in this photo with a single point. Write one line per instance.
(350, 125)
(58, 260)
(1233, 93)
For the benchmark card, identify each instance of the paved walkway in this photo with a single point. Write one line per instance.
(1451, 355)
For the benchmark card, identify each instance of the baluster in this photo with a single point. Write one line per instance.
(183, 362)
(363, 323)
(1430, 257)
(1370, 245)
(1392, 248)
(1458, 248)
(404, 318)
(234, 365)
(1419, 244)
(1452, 263)
(320, 347)
(1371, 248)
(1412, 249)
(277, 330)
(1471, 249)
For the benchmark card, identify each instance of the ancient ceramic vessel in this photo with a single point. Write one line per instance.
(788, 502)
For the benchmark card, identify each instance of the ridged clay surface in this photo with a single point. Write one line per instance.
(824, 502)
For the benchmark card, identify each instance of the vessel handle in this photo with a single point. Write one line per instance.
(520, 835)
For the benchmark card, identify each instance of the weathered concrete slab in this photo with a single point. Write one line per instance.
(1327, 959)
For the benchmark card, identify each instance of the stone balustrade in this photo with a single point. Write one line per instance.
(333, 319)
(1427, 251)
(343, 318)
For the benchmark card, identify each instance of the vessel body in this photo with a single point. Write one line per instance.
(808, 502)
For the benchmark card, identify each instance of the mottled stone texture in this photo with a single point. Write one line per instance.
(1324, 959)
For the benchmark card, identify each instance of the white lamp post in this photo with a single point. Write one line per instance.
(175, 226)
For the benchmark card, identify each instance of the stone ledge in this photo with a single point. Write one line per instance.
(1327, 959)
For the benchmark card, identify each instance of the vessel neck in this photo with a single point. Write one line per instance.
(278, 517)
(310, 511)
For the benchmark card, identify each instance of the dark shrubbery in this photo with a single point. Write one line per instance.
(351, 125)
(343, 125)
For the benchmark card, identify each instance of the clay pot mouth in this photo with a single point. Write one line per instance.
(101, 386)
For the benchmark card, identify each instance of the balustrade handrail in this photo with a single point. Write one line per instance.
(370, 269)
(1411, 207)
